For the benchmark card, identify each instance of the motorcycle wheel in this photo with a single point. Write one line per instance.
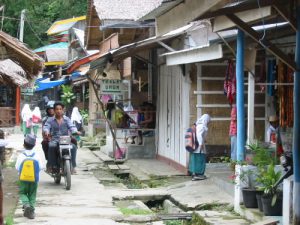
(57, 178)
(67, 174)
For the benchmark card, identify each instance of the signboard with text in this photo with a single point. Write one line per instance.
(111, 86)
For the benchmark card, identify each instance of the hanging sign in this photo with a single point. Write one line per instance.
(28, 89)
(111, 86)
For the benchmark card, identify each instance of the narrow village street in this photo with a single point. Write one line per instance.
(91, 202)
(88, 202)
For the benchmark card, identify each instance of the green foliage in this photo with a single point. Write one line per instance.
(9, 219)
(39, 17)
(85, 115)
(261, 155)
(268, 178)
(174, 222)
(68, 95)
(247, 178)
(135, 211)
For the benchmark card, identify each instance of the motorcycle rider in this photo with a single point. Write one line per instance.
(49, 114)
(59, 125)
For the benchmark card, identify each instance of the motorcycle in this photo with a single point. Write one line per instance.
(286, 161)
(64, 159)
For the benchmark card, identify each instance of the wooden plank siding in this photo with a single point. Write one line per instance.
(218, 135)
(173, 115)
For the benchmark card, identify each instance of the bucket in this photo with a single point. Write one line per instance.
(120, 153)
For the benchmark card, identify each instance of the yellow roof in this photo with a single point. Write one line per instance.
(63, 25)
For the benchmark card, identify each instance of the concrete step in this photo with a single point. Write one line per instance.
(269, 221)
(221, 218)
(105, 158)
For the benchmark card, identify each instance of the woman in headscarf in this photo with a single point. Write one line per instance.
(197, 162)
(76, 119)
(36, 118)
(26, 116)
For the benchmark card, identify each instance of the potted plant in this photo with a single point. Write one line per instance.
(248, 179)
(272, 196)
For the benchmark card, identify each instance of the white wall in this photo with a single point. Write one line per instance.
(173, 113)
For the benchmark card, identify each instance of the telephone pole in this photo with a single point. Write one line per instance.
(22, 25)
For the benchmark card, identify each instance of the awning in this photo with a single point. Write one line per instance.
(45, 83)
(10, 72)
(63, 25)
(127, 50)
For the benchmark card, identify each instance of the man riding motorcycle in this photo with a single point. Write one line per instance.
(57, 126)
(49, 114)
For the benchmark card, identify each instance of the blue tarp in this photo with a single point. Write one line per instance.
(45, 83)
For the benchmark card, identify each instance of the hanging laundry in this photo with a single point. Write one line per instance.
(271, 76)
(285, 95)
(230, 82)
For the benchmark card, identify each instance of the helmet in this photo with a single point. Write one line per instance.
(50, 105)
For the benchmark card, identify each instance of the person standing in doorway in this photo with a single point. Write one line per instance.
(233, 133)
(273, 135)
(197, 163)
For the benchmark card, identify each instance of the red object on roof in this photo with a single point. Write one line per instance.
(75, 65)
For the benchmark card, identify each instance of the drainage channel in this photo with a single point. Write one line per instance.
(148, 209)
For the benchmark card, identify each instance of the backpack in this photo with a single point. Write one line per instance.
(29, 169)
(191, 142)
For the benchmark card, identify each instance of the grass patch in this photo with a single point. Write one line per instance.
(132, 183)
(196, 220)
(135, 211)
(9, 219)
(215, 206)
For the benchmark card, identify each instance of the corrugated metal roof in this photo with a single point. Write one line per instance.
(60, 45)
(124, 9)
(160, 9)
(63, 25)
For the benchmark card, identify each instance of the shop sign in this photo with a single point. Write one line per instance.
(28, 89)
(111, 86)
(98, 123)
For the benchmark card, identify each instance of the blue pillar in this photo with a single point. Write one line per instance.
(240, 97)
(296, 131)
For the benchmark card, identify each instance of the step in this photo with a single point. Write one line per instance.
(113, 167)
(269, 221)
(221, 218)
(105, 158)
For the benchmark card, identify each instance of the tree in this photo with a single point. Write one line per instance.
(39, 17)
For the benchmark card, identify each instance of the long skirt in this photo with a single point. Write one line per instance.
(26, 130)
(197, 163)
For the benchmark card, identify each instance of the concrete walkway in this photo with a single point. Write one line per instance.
(86, 203)
(89, 202)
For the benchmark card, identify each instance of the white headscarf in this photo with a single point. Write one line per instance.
(37, 112)
(201, 127)
(76, 116)
(26, 113)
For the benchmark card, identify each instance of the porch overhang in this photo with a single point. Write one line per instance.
(197, 54)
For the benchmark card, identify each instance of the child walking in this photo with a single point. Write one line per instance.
(28, 165)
